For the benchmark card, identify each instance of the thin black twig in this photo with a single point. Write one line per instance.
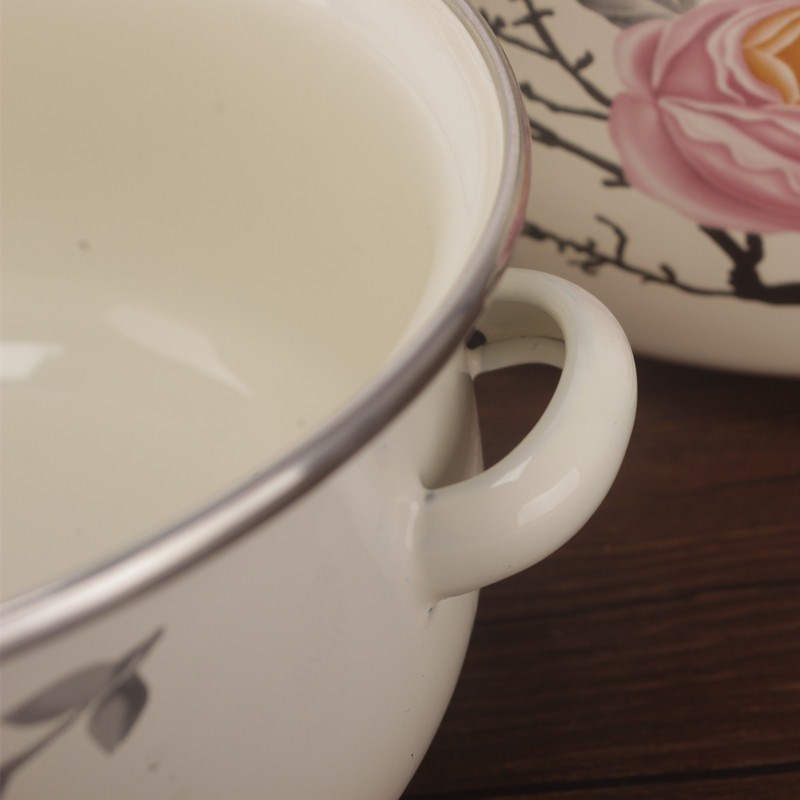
(500, 30)
(591, 258)
(548, 137)
(744, 280)
(528, 91)
(576, 68)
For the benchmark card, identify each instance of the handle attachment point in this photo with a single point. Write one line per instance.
(520, 510)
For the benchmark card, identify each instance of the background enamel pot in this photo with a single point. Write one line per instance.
(666, 145)
(300, 636)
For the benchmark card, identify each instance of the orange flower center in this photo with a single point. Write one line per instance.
(772, 52)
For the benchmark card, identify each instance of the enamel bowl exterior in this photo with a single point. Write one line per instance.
(315, 656)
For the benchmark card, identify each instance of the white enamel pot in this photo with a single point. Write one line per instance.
(300, 637)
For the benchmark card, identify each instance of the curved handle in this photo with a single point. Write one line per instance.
(481, 530)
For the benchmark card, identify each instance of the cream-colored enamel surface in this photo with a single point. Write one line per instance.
(325, 631)
(523, 508)
(310, 656)
(211, 240)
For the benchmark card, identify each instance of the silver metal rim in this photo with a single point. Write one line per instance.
(29, 618)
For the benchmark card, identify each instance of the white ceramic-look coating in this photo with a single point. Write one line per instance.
(538, 496)
(314, 657)
(154, 281)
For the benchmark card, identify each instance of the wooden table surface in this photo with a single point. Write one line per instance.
(657, 655)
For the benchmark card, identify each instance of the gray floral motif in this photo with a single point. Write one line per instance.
(628, 12)
(111, 694)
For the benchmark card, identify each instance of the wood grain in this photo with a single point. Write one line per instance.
(657, 655)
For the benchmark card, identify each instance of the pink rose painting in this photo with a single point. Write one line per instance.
(707, 122)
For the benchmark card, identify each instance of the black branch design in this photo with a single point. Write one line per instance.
(551, 105)
(744, 281)
(590, 257)
(549, 48)
(549, 138)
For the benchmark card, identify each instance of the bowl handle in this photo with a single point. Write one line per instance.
(483, 529)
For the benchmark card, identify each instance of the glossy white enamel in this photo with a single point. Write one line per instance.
(317, 656)
(181, 234)
(301, 636)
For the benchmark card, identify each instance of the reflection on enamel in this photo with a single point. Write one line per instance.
(512, 475)
(550, 500)
(20, 360)
(175, 341)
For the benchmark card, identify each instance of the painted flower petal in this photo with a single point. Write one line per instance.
(654, 165)
(686, 33)
(634, 52)
(772, 52)
(776, 127)
(728, 150)
(726, 48)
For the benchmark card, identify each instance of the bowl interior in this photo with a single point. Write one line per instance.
(223, 224)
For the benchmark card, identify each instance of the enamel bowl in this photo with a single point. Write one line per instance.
(297, 630)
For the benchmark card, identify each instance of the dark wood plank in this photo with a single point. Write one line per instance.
(658, 653)
(675, 787)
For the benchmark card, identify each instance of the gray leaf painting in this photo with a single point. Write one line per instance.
(112, 694)
(116, 713)
(71, 693)
(628, 12)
